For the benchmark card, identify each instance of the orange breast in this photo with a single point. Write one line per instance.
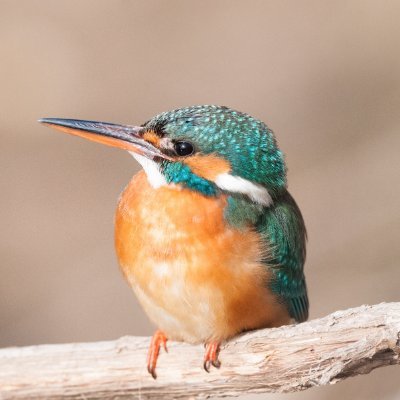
(196, 277)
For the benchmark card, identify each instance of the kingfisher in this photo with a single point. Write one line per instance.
(206, 234)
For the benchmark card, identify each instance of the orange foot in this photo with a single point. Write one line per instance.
(211, 356)
(157, 340)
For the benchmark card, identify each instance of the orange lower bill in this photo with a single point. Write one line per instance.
(126, 137)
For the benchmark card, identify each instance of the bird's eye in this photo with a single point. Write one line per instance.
(183, 148)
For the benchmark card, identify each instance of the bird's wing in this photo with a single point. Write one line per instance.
(282, 227)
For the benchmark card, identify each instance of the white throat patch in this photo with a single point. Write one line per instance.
(236, 184)
(154, 176)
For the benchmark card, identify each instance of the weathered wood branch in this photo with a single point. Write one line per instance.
(287, 359)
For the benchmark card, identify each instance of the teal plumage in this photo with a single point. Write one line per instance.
(282, 227)
(180, 173)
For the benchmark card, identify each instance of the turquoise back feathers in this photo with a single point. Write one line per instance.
(282, 229)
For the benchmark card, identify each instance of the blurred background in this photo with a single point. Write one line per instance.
(324, 75)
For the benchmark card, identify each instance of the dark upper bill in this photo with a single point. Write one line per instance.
(126, 137)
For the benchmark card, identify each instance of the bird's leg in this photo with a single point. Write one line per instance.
(157, 340)
(211, 355)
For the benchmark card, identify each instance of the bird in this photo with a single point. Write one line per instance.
(206, 234)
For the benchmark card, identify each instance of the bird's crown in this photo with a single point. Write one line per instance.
(224, 147)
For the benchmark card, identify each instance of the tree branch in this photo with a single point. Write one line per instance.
(286, 359)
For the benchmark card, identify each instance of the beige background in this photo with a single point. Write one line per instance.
(325, 75)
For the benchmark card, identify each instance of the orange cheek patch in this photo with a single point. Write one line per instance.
(207, 166)
(152, 138)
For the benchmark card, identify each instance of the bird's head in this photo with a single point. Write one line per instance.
(209, 149)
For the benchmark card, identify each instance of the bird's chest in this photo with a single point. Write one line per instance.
(194, 275)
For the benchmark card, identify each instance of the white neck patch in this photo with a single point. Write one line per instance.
(224, 181)
(236, 184)
(154, 176)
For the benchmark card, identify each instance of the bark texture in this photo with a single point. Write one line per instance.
(286, 359)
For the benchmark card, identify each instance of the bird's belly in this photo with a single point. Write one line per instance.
(197, 278)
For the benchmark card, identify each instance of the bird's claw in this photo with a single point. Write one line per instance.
(207, 364)
(157, 340)
(211, 356)
(152, 371)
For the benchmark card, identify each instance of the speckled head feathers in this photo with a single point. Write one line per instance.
(245, 142)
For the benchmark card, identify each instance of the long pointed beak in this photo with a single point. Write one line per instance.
(126, 137)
